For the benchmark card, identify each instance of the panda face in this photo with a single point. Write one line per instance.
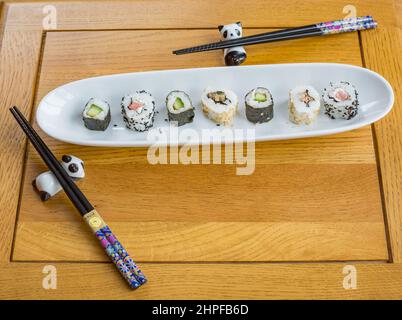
(231, 31)
(73, 165)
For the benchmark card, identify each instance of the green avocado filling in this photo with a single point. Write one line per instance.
(94, 110)
(178, 104)
(260, 97)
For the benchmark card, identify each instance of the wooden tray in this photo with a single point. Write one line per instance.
(318, 204)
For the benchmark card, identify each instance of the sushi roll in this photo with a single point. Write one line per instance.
(179, 107)
(96, 114)
(219, 105)
(341, 100)
(304, 105)
(138, 110)
(259, 105)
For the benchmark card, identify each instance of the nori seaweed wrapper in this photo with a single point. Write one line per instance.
(259, 115)
(182, 118)
(97, 124)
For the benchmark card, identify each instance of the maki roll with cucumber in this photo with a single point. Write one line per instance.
(259, 105)
(96, 114)
(220, 105)
(341, 100)
(179, 107)
(138, 110)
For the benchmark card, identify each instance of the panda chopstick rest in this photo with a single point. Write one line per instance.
(47, 185)
(236, 55)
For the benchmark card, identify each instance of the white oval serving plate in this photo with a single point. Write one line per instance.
(60, 112)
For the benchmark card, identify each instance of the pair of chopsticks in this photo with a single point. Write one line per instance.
(113, 248)
(319, 29)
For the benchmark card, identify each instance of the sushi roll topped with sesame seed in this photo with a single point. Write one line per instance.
(138, 110)
(340, 100)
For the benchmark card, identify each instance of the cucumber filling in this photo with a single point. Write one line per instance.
(260, 97)
(178, 104)
(94, 110)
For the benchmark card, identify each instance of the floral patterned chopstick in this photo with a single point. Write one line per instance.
(115, 251)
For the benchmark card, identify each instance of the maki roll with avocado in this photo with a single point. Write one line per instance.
(219, 105)
(138, 110)
(96, 114)
(341, 100)
(179, 107)
(259, 105)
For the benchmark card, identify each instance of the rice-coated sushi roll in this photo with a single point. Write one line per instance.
(138, 110)
(340, 100)
(304, 105)
(179, 107)
(259, 105)
(96, 114)
(219, 105)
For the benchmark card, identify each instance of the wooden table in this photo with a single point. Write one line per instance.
(318, 204)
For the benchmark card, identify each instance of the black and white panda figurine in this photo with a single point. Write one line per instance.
(47, 184)
(236, 55)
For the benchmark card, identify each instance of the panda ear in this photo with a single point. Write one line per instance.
(66, 158)
(238, 23)
(220, 27)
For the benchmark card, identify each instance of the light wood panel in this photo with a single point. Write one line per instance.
(145, 14)
(331, 217)
(204, 281)
(307, 280)
(323, 193)
(18, 59)
(71, 56)
(388, 131)
(345, 148)
(317, 179)
(209, 241)
(398, 8)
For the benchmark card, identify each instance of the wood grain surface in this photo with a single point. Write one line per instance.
(18, 65)
(388, 131)
(205, 281)
(99, 15)
(171, 221)
(353, 178)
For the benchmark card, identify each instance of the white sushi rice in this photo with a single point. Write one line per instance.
(142, 119)
(250, 98)
(336, 108)
(219, 112)
(301, 112)
(171, 98)
(101, 104)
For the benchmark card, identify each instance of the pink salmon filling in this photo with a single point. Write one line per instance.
(137, 106)
(341, 95)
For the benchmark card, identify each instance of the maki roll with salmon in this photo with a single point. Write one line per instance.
(138, 110)
(179, 107)
(259, 105)
(96, 114)
(220, 105)
(341, 100)
(304, 105)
